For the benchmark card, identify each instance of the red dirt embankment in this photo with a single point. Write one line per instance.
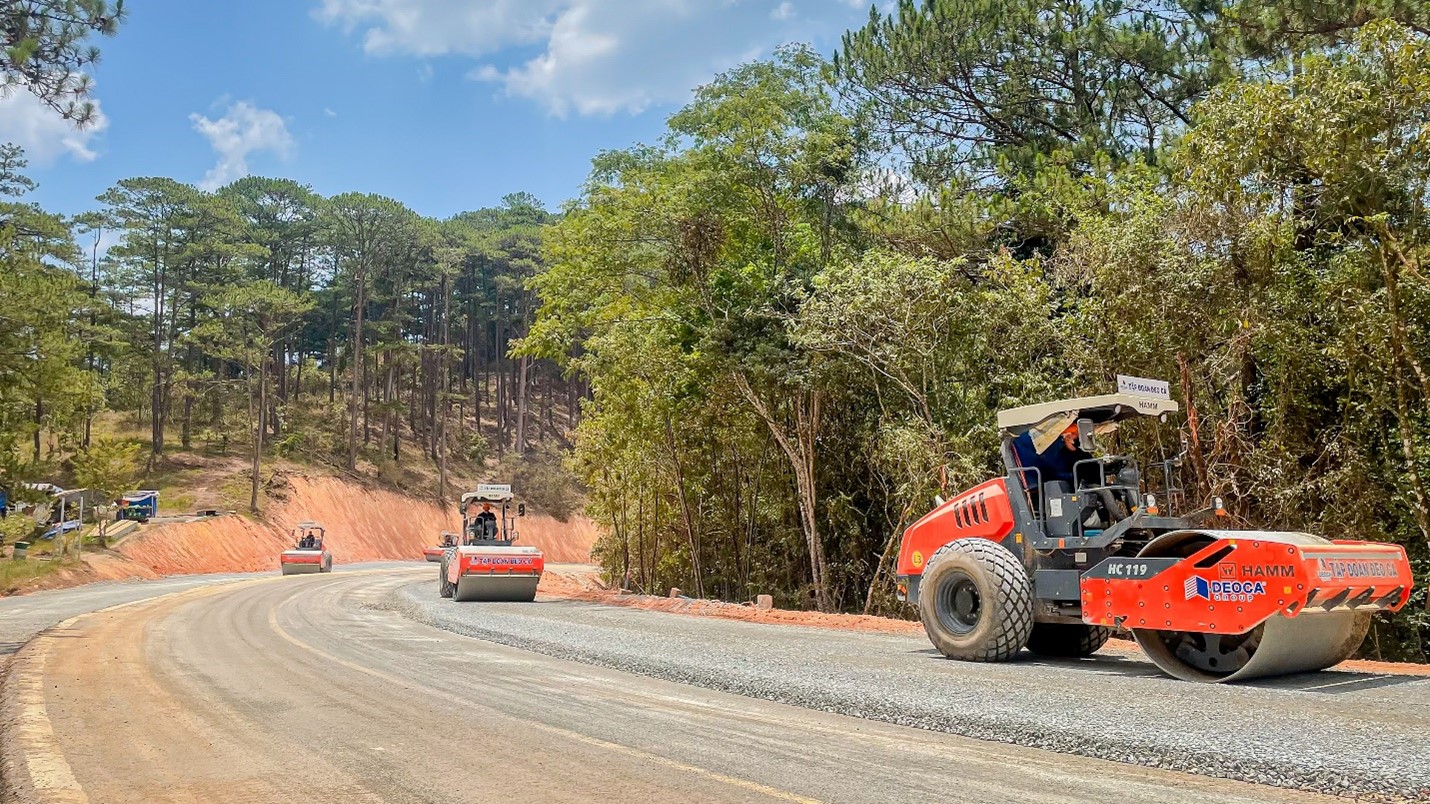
(363, 524)
(95, 567)
(585, 585)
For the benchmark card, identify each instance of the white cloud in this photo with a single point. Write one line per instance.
(242, 130)
(329, 112)
(593, 56)
(437, 27)
(43, 133)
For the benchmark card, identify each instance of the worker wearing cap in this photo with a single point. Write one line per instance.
(486, 522)
(1057, 461)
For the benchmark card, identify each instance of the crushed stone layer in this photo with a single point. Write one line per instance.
(1344, 733)
(582, 582)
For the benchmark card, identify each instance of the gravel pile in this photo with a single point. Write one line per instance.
(1339, 733)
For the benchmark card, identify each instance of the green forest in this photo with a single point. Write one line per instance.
(761, 344)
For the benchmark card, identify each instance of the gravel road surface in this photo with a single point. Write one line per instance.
(310, 688)
(1338, 732)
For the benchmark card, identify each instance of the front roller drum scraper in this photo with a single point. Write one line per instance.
(1235, 605)
(303, 562)
(496, 588)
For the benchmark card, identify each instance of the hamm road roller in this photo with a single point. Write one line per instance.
(1067, 547)
(486, 564)
(308, 554)
(446, 540)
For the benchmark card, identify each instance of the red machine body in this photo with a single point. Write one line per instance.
(494, 573)
(495, 561)
(302, 557)
(308, 553)
(1241, 579)
(982, 512)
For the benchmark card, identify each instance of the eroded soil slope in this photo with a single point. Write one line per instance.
(363, 524)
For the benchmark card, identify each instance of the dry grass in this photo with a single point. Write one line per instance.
(17, 574)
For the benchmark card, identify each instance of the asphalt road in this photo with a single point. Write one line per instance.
(311, 688)
(1342, 732)
(24, 616)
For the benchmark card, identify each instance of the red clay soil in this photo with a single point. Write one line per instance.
(362, 524)
(576, 584)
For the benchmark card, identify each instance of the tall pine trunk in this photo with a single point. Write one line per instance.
(521, 405)
(358, 368)
(798, 448)
(259, 425)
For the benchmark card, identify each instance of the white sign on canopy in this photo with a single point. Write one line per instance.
(1137, 386)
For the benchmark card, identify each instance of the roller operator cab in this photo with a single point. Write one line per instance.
(486, 563)
(1068, 546)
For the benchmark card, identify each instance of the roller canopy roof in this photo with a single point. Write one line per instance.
(1047, 419)
(488, 492)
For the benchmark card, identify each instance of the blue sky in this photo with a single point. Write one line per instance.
(446, 105)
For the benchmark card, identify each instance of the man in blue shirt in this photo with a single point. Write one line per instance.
(1057, 461)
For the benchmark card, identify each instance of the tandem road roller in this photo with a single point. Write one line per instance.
(486, 564)
(1066, 547)
(308, 553)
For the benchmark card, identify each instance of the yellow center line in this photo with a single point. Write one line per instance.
(635, 753)
(35, 747)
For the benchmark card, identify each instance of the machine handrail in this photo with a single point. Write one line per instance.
(1037, 510)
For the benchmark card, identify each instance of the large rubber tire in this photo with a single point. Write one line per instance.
(1067, 640)
(444, 586)
(976, 602)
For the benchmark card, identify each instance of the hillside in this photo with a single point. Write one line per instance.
(365, 523)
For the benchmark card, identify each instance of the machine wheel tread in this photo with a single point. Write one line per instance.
(1013, 606)
(444, 586)
(1067, 640)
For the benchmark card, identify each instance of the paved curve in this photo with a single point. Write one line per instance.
(24, 616)
(1341, 732)
(307, 688)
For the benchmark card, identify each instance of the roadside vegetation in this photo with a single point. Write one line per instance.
(16, 575)
(763, 342)
(799, 311)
